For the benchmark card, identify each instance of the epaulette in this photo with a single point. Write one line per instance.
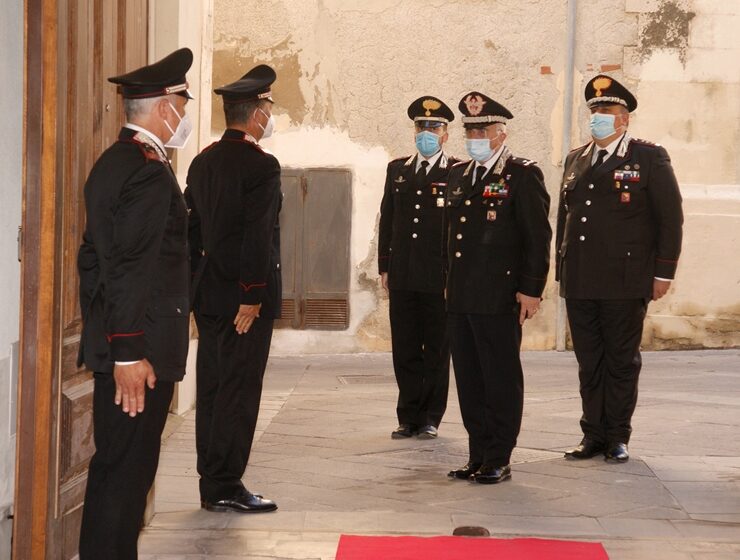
(147, 148)
(645, 142)
(522, 161)
(459, 163)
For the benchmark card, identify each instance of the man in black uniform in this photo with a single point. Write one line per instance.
(133, 267)
(234, 198)
(412, 270)
(498, 246)
(618, 242)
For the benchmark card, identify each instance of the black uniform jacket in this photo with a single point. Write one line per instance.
(133, 261)
(234, 199)
(619, 225)
(497, 236)
(411, 225)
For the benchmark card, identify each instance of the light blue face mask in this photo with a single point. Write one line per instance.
(427, 143)
(479, 149)
(602, 125)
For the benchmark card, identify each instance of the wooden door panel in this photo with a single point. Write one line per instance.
(73, 46)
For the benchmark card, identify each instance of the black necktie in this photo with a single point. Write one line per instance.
(421, 174)
(599, 158)
(479, 174)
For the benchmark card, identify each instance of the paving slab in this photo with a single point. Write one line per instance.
(323, 451)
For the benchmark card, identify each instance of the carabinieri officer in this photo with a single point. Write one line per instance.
(412, 270)
(618, 242)
(498, 246)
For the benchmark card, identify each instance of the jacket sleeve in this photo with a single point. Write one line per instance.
(560, 223)
(385, 232)
(139, 223)
(532, 208)
(261, 205)
(88, 269)
(195, 237)
(665, 206)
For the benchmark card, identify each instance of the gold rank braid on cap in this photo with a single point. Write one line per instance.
(601, 84)
(430, 105)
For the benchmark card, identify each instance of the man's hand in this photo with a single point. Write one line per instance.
(130, 381)
(384, 280)
(528, 306)
(660, 287)
(246, 316)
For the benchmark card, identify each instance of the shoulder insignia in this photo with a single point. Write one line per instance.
(645, 142)
(522, 161)
(148, 149)
(460, 163)
(579, 148)
(409, 161)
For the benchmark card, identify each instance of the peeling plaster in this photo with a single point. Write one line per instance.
(666, 28)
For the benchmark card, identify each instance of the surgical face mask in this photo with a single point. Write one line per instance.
(479, 149)
(427, 143)
(602, 125)
(269, 128)
(181, 134)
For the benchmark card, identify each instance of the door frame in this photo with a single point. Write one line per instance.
(39, 339)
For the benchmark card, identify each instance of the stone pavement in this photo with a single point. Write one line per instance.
(324, 454)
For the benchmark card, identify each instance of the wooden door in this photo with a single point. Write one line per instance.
(71, 115)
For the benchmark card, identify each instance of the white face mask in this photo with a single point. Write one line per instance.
(181, 134)
(269, 128)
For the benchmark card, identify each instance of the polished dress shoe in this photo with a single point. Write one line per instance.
(428, 432)
(492, 475)
(244, 502)
(465, 472)
(617, 452)
(403, 431)
(586, 449)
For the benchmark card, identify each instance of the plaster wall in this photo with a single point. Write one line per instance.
(348, 70)
(11, 143)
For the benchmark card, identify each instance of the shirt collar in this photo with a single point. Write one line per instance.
(151, 135)
(610, 149)
(432, 160)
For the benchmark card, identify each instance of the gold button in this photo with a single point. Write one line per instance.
(463, 218)
(582, 238)
(467, 203)
(414, 235)
(588, 203)
(459, 236)
(416, 220)
(458, 254)
(584, 219)
(417, 206)
(591, 186)
(418, 192)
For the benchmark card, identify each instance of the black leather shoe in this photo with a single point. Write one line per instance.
(586, 449)
(492, 475)
(617, 452)
(465, 472)
(403, 431)
(428, 432)
(241, 503)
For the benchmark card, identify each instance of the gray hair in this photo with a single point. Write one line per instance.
(138, 107)
(239, 113)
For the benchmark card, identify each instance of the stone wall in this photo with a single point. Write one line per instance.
(348, 70)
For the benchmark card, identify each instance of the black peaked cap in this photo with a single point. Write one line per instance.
(164, 77)
(479, 109)
(252, 86)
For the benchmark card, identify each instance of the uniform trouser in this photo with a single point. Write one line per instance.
(606, 339)
(229, 368)
(421, 356)
(121, 471)
(490, 383)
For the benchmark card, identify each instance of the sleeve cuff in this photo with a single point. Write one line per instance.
(665, 268)
(127, 347)
(252, 293)
(531, 286)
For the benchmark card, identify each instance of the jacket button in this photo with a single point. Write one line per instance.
(591, 186)
(582, 238)
(458, 254)
(278, 266)
(416, 220)
(418, 192)
(414, 235)
(459, 236)
(508, 273)
(584, 219)
(629, 253)
(467, 203)
(417, 206)
(588, 203)
(463, 218)
(178, 310)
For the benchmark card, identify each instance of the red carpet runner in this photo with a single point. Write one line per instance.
(353, 547)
